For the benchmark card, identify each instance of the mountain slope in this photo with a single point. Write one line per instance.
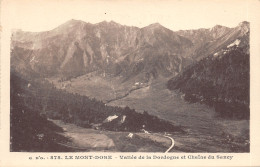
(210, 41)
(76, 47)
(220, 80)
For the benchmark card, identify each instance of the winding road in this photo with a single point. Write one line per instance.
(171, 145)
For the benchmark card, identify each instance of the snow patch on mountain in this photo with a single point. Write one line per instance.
(235, 43)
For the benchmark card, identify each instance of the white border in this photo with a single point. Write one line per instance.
(240, 159)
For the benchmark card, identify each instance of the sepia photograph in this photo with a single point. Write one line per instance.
(107, 86)
(128, 77)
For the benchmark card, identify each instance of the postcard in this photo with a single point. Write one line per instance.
(130, 83)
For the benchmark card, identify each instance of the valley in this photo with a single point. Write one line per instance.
(112, 87)
(205, 131)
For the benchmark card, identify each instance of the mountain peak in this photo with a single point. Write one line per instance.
(110, 23)
(244, 27)
(70, 25)
(74, 21)
(217, 27)
(155, 25)
(244, 23)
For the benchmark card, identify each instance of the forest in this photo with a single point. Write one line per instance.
(34, 101)
(221, 82)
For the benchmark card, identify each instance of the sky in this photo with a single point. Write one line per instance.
(38, 15)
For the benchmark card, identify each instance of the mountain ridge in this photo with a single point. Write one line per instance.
(220, 80)
(77, 47)
(102, 46)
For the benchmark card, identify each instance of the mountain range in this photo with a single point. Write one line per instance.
(193, 84)
(76, 48)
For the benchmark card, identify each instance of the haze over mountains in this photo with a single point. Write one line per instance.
(77, 47)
